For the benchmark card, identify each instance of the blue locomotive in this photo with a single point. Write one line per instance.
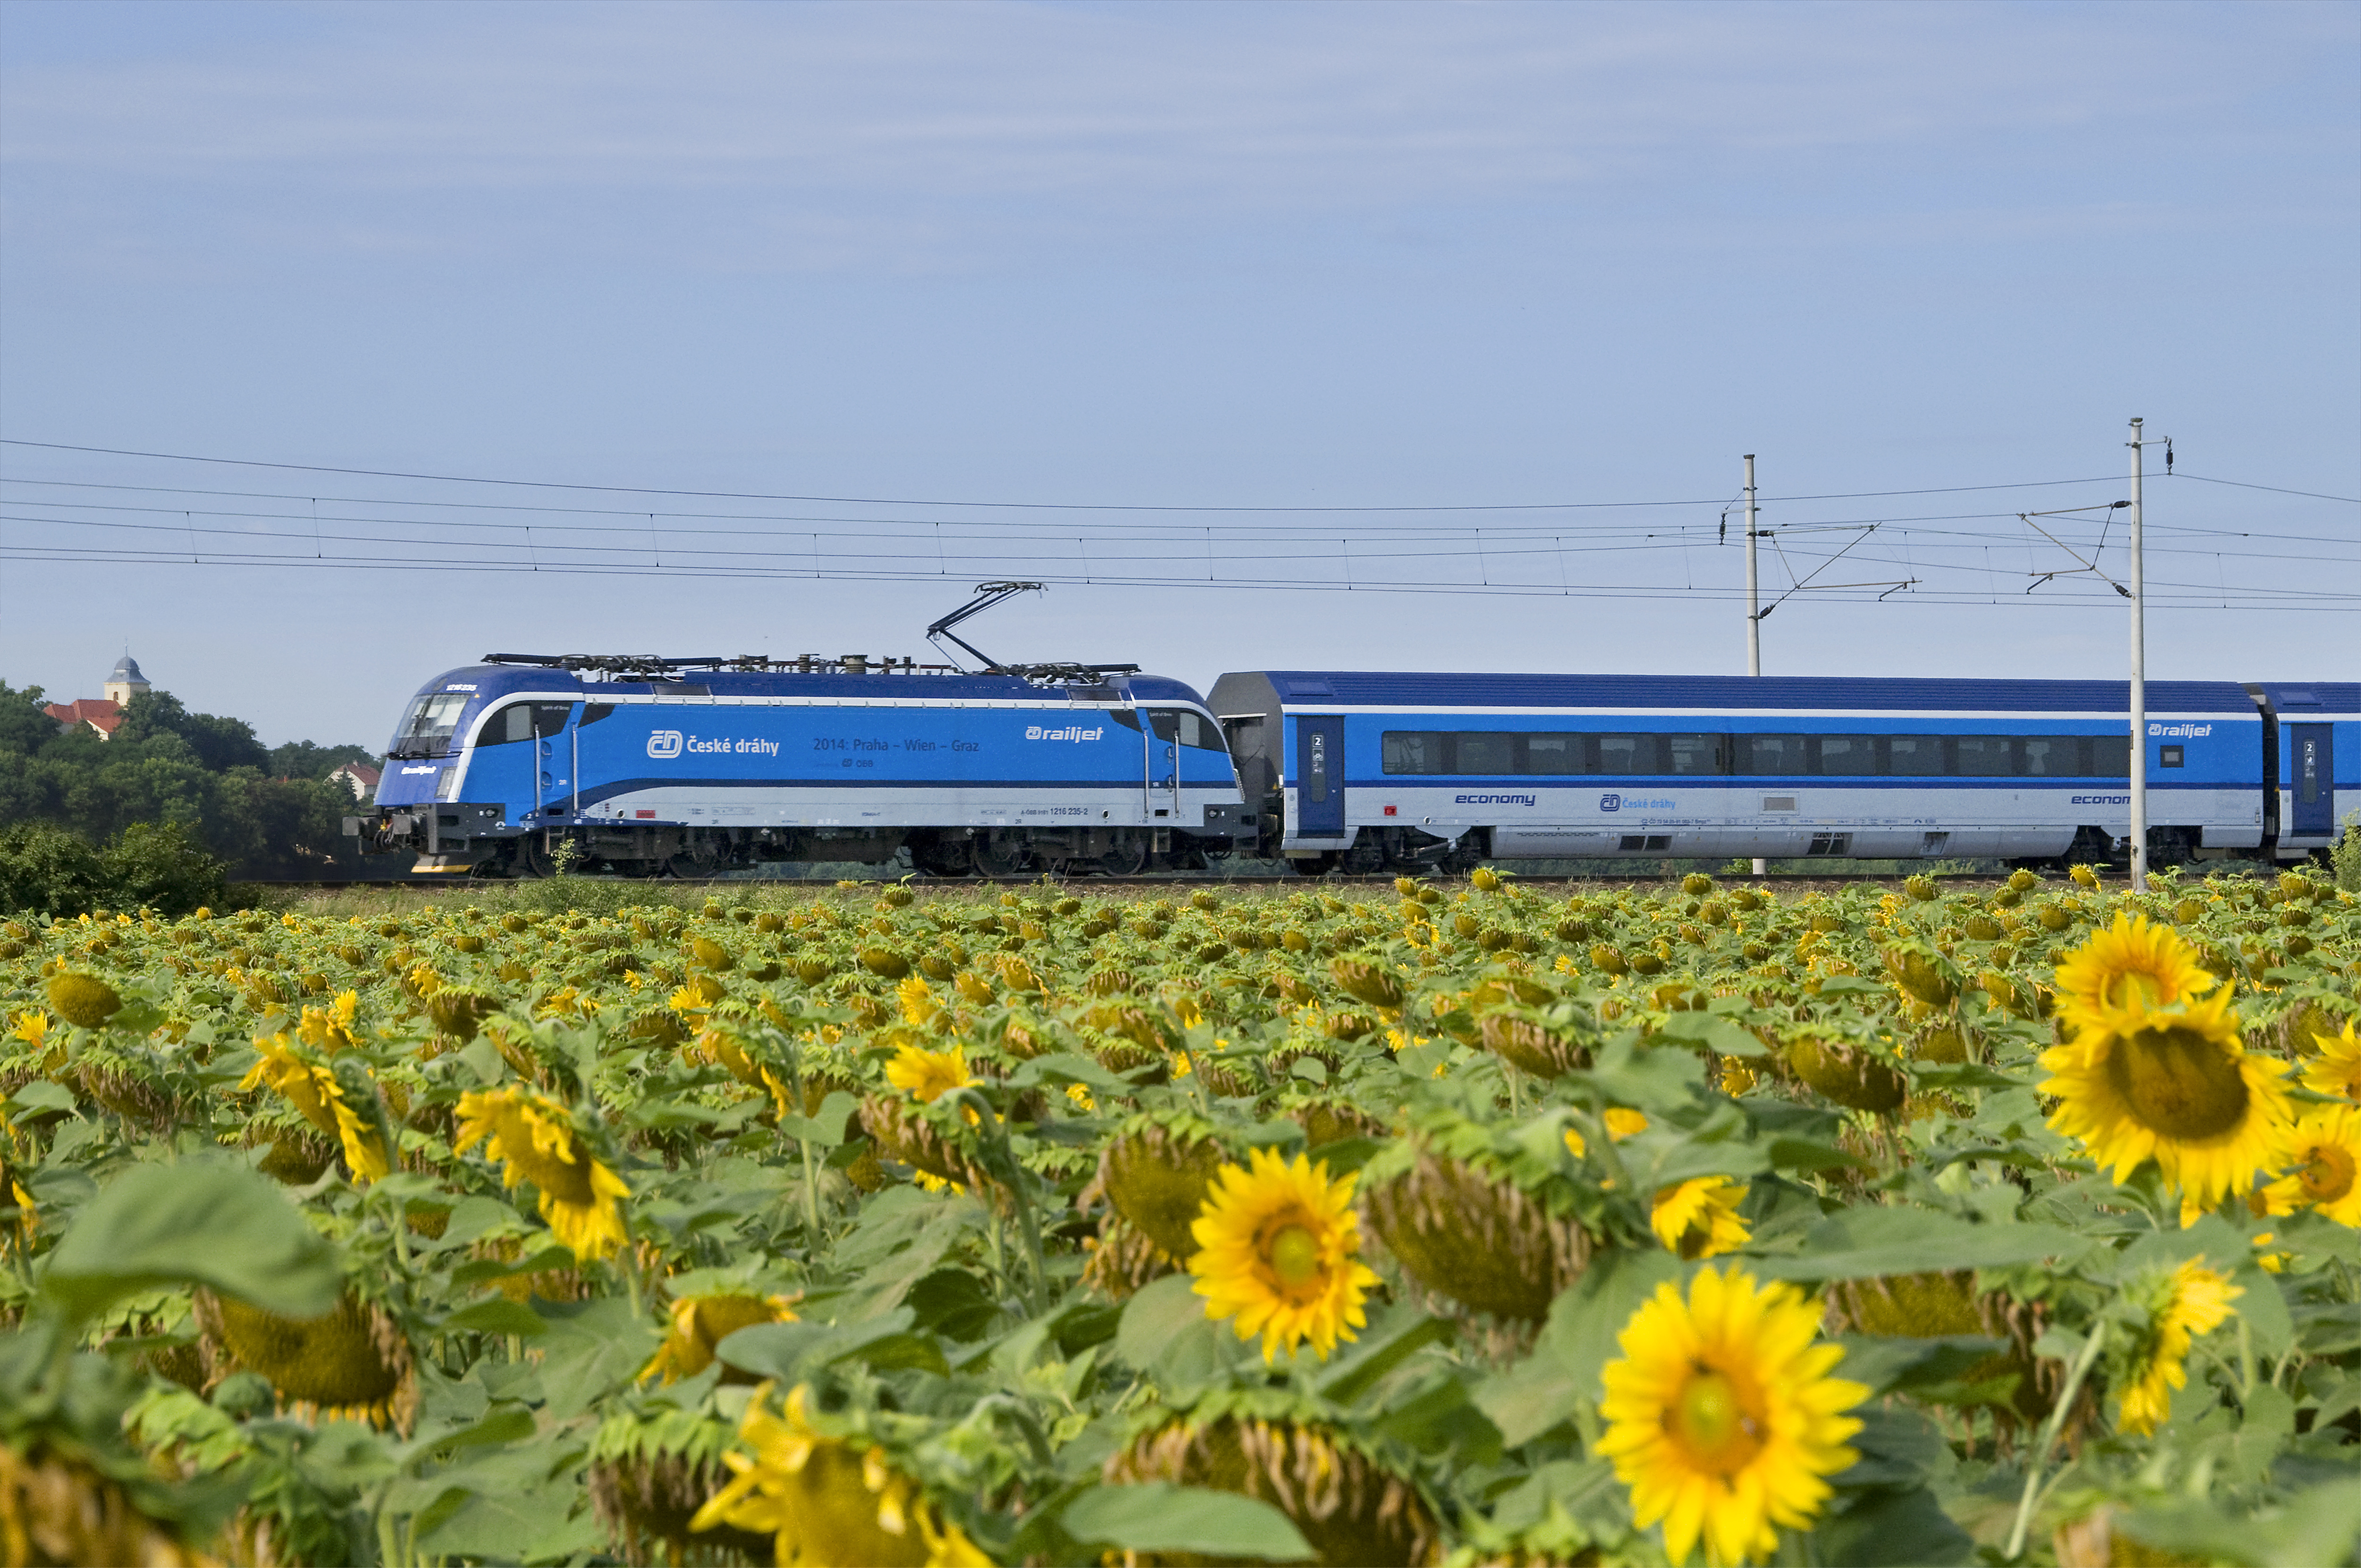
(522, 763)
(1366, 771)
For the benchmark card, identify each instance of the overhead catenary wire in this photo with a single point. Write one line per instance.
(1429, 548)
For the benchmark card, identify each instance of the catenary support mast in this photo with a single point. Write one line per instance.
(2139, 684)
(1754, 613)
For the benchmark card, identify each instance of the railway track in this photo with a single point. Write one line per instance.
(1186, 881)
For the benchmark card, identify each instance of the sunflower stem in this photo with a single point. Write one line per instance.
(2049, 1430)
(2245, 1362)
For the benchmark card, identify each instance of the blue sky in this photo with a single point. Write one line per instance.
(1192, 256)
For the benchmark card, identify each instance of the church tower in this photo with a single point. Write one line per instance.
(126, 682)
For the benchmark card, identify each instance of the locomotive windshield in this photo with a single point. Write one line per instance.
(426, 730)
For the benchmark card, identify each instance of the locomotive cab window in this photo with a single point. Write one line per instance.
(523, 722)
(1186, 726)
(427, 730)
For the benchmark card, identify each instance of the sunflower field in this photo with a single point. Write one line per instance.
(1466, 1225)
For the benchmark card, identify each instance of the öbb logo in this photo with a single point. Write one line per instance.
(664, 743)
(1610, 803)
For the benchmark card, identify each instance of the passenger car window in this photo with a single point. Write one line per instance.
(1847, 755)
(1984, 756)
(1412, 751)
(1694, 753)
(1627, 754)
(1553, 754)
(1485, 752)
(2048, 756)
(1918, 755)
(1771, 754)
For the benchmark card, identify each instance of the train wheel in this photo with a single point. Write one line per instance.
(532, 857)
(1367, 857)
(1002, 854)
(943, 856)
(1129, 857)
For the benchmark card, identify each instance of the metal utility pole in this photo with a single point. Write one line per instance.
(2139, 684)
(1754, 611)
(1753, 614)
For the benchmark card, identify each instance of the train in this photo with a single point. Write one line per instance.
(528, 764)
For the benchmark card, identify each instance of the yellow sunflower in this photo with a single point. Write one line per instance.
(32, 1028)
(1699, 1217)
(312, 1088)
(924, 1076)
(1277, 1245)
(701, 1322)
(537, 1139)
(2192, 1301)
(2324, 1153)
(2335, 1070)
(1722, 1417)
(824, 1503)
(919, 1003)
(2125, 971)
(1621, 1125)
(2181, 1089)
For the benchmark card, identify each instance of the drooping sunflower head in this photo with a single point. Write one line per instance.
(701, 1322)
(2323, 1166)
(925, 1075)
(1723, 1418)
(1277, 1246)
(83, 999)
(2112, 982)
(2181, 1089)
(2183, 1303)
(2337, 1069)
(1700, 1218)
(824, 1499)
(536, 1139)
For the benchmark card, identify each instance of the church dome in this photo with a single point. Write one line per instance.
(128, 669)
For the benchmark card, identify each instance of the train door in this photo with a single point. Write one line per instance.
(2310, 778)
(1162, 779)
(1320, 776)
(558, 747)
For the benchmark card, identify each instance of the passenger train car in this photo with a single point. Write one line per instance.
(522, 763)
(1367, 770)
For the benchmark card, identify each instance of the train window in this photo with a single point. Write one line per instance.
(1986, 756)
(1920, 756)
(1484, 751)
(1124, 717)
(1771, 754)
(426, 731)
(523, 722)
(1165, 722)
(2048, 756)
(1412, 751)
(1842, 756)
(2110, 757)
(1694, 754)
(1553, 754)
(1627, 754)
(1202, 732)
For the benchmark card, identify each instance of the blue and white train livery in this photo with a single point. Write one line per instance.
(520, 763)
(1370, 770)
